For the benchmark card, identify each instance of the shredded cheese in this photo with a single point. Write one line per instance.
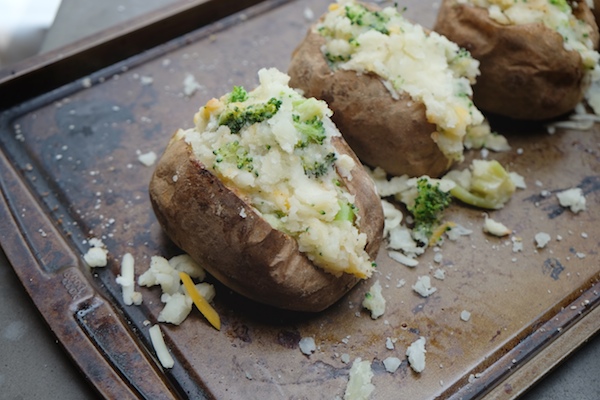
(203, 306)
(158, 342)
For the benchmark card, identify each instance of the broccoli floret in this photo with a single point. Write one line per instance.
(490, 186)
(238, 94)
(428, 209)
(237, 117)
(317, 169)
(312, 130)
(233, 153)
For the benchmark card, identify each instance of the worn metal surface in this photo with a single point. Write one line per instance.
(70, 172)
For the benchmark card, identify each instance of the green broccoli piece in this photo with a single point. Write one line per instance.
(562, 5)
(359, 15)
(237, 117)
(312, 131)
(347, 212)
(490, 185)
(238, 95)
(317, 169)
(428, 208)
(233, 153)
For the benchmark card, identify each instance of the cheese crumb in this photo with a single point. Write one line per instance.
(423, 286)
(572, 199)
(542, 239)
(391, 364)
(416, 354)
(465, 315)
(307, 345)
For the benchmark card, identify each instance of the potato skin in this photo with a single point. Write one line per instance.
(237, 246)
(392, 134)
(526, 73)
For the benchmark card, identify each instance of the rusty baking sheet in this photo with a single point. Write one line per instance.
(70, 172)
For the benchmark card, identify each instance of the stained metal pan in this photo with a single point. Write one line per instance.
(72, 127)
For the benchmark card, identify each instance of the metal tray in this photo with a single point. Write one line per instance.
(69, 172)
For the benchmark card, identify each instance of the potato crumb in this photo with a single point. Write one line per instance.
(495, 228)
(374, 301)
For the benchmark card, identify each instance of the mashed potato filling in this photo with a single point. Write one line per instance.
(554, 14)
(426, 65)
(273, 146)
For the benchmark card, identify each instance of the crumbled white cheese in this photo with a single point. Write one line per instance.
(416, 354)
(572, 198)
(389, 343)
(374, 301)
(162, 352)
(423, 286)
(359, 384)
(307, 345)
(177, 307)
(391, 364)
(439, 274)
(542, 239)
(456, 231)
(148, 159)
(96, 257)
(465, 315)
(190, 85)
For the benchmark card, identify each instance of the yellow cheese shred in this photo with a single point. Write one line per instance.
(439, 231)
(205, 308)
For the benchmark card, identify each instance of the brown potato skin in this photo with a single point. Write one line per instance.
(203, 217)
(392, 134)
(526, 73)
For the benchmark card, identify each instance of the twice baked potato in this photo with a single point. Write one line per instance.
(537, 58)
(400, 94)
(267, 196)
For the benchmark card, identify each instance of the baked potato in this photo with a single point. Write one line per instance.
(266, 195)
(528, 71)
(400, 94)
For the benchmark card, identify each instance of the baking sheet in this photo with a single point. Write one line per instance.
(71, 172)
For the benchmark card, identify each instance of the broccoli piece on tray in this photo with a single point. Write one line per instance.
(428, 209)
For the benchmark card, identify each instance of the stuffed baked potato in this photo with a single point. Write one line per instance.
(400, 94)
(266, 195)
(537, 57)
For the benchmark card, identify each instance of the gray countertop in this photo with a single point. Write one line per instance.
(34, 366)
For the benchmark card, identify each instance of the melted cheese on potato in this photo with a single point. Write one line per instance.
(274, 162)
(426, 65)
